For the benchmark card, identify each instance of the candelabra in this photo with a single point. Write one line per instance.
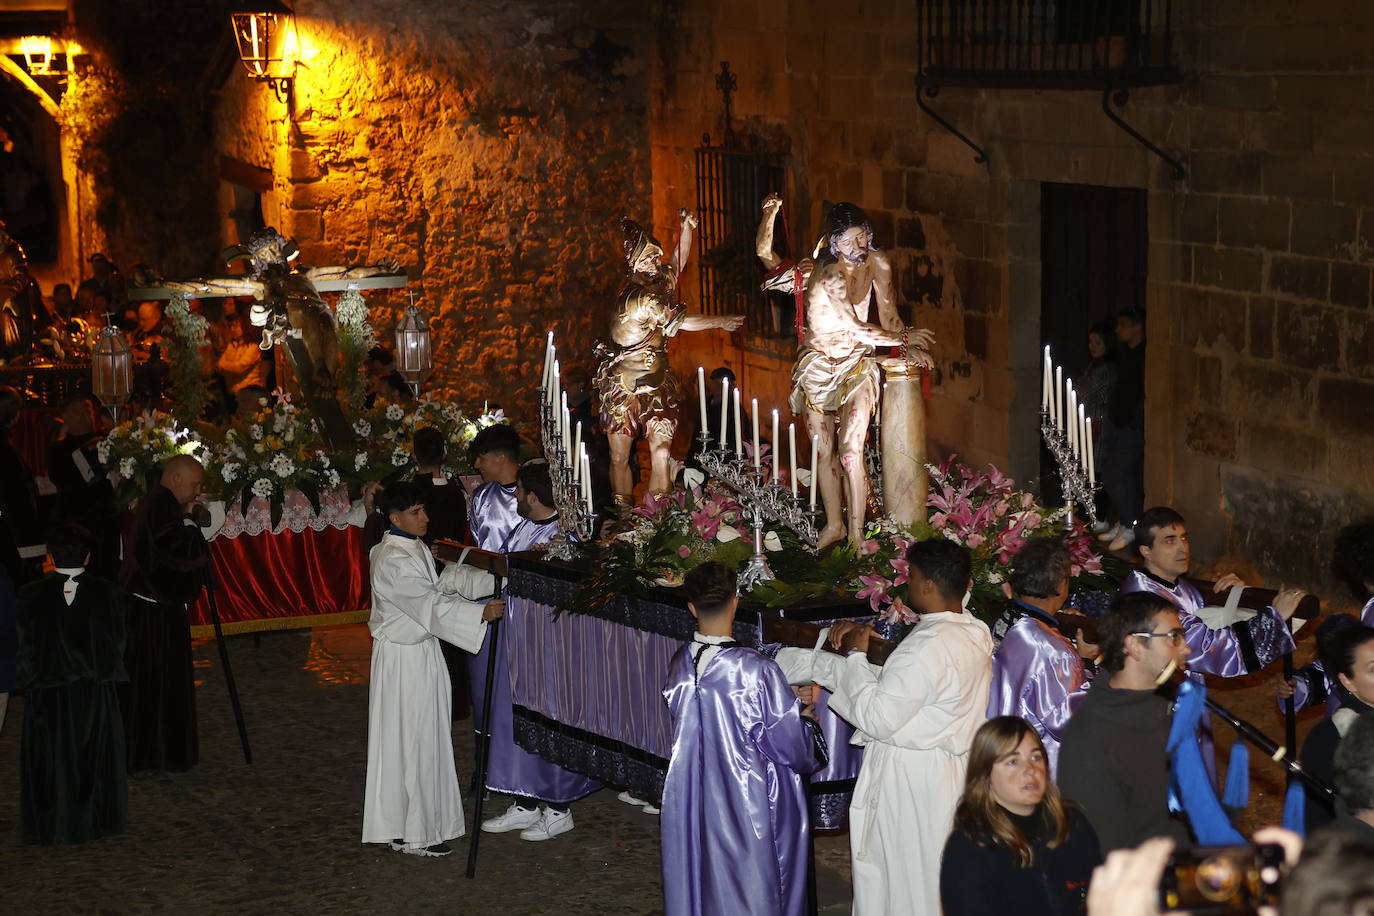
(1073, 476)
(762, 499)
(576, 520)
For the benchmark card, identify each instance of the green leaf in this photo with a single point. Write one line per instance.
(311, 493)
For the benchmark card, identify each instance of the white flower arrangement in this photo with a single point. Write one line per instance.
(282, 466)
(229, 471)
(262, 487)
(362, 427)
(395, 412)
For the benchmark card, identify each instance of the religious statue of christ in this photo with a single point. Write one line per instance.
(287, 298)
(835, 381)
(639, 394)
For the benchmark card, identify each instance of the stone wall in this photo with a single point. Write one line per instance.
(1260, 380)
(491, 149)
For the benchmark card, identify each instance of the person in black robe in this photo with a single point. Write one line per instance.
(71, 758)
(166, 561)
(84, 494)
(21, 547)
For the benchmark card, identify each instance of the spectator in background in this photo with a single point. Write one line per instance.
(1353, 778)
(387, 383)
(64, 307)
(241, 362)
(1349, 656)
(1122, 446)
(108, 279)
(1095, 387)
(149, 332)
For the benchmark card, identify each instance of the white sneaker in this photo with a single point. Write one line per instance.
(515, 818)
(549, 825)
(638, 802)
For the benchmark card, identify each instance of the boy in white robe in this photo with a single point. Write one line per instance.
(412, 799)
(916, 717)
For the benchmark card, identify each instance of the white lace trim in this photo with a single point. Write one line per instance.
(297, 515)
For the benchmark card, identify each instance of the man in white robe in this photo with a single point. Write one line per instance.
(916, 717)
(412, 799)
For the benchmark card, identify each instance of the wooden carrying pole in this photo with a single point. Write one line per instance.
(494, 563)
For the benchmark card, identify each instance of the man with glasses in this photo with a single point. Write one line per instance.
(1239, 648)
(1113, 760)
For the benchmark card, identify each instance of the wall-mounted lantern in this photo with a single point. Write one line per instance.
(264, 30)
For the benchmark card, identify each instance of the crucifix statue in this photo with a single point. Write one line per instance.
(289, 309)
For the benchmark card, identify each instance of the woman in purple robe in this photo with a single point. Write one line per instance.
(734, 819)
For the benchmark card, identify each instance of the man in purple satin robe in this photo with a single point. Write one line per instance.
(1355, 559)
(1037, 673)
(735, 821)
(1241, 648)
(531, 779)
(495, 453)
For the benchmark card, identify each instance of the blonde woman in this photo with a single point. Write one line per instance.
(1016, 845)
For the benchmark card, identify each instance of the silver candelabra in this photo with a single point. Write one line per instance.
(576, 520)
(1073, 476)
(762, 498)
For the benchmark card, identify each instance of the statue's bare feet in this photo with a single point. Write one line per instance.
(830, 534)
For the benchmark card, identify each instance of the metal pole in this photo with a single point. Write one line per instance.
(1290, 719)
(484, 742)
(228, 671)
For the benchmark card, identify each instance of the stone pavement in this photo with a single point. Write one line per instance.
(282, 835)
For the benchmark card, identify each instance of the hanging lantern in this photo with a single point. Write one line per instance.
(111, 370)
(263, 30)
(414, 358)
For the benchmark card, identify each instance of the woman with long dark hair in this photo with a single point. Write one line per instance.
(1016, 846)
(1348, 656)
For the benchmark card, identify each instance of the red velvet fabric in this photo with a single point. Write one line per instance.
(279, 576)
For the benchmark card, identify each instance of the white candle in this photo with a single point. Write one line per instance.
(576, 453)
(792, 455)
(739, 437)
(548, 363)
(1070, 426)
(1059, 397)
(1092, 462)
(755, 409)
(815, 471)
(701, 395)
(1046, 385)
(1085, 445)
(553, 389)
(586, 478)
(724, 405)
(776, 445)
(567, 440)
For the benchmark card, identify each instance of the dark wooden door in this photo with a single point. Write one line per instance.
(1093, 245)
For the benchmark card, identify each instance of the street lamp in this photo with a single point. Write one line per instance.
(414, 356)
(263, 30)
(111, 370)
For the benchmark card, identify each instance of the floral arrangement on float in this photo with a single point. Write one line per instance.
(136, 450)
(983, 510)
(279, 448)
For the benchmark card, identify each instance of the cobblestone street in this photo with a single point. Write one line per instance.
(282, 835)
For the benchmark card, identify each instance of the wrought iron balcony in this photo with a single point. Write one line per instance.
(1064, 44)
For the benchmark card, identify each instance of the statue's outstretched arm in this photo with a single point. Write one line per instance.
(684, 241)
(199, 288)
(385, 269)
(763, 240)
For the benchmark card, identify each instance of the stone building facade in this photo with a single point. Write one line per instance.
(1260, 373)
(492, 148)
